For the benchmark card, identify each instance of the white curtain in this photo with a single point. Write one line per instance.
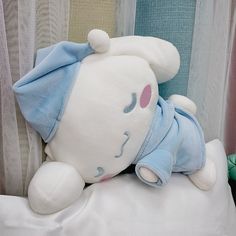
(52, 22)
(208, 78)
(125, 17)
(24, 27)
(10, 161)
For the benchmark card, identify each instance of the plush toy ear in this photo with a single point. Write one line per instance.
(163, 57)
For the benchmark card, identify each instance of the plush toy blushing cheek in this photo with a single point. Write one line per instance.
(100, 173)
(106, 177)
(145, 96)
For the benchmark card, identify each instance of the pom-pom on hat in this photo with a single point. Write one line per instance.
(43, 93)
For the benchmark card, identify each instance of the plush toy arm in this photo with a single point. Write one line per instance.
(54, 186)
(184, 102)
(155, 169)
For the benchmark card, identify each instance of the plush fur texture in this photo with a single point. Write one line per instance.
(107, 117)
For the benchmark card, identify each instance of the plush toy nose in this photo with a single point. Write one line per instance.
(145, 96)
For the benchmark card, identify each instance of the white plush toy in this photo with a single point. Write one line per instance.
(97, 107)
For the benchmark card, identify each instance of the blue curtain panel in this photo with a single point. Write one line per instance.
(172, 20)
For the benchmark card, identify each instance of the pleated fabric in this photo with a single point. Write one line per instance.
(52, 22)
(209, 67)
(86, 15)
(230, 99)
(11, 181)
(25, 26)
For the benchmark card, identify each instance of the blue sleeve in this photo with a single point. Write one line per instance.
(160, 162)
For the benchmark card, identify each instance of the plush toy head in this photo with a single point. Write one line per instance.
(93, 103)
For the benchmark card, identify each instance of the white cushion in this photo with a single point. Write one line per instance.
(125, 206)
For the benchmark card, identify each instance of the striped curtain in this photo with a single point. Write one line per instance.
(26, 26)
(209, 65)
(203, 32)
(230, 95)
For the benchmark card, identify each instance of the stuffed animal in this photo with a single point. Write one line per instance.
(97, 107)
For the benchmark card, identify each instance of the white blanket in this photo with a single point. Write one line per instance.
(125, 206)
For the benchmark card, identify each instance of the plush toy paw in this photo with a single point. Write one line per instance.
(206, 177)
(54, 186)
(184, 102)
(148, 175)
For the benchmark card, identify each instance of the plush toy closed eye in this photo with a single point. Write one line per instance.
(97, 107)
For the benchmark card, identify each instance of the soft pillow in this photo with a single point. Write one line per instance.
(120, 206)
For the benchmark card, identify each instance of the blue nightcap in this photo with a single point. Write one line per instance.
(43, 93)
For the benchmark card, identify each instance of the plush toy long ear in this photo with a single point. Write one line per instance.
(162, 56)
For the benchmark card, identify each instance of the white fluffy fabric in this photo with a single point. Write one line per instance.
(56, 191)
(99, 40)
(125, 206)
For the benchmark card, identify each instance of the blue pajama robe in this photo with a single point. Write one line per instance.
(174, 143)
